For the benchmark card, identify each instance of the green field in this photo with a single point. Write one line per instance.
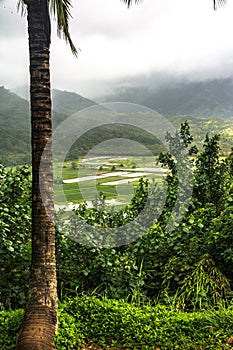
(87, 190)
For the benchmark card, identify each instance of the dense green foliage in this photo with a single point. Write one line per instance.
(15, 228)
(115, 324)
(161, 265)
(112, 131)
(188, 268)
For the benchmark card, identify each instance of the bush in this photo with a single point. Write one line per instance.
(9, 328)
(15, 235)
(68, 336)
(110, 324)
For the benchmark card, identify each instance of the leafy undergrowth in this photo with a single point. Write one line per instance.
(94, 324)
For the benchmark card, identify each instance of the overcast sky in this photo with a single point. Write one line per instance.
(179, 37)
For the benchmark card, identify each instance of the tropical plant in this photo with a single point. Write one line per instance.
(205, 287)
(179, 162)
(15, 234)
(211, 178)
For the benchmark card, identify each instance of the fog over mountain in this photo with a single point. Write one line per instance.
(184, 38)
(165, 93)
(178, 99)
(178, 96)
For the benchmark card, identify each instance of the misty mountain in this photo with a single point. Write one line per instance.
(14, 128)
(179, 101)
(69, 102)
(15, 122)
(207, 99)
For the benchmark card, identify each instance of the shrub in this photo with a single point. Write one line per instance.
(116, 324)
(9, 328)
(15, 233)
(123, 325)
(68, 336)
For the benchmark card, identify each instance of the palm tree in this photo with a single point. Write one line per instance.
(40, 320)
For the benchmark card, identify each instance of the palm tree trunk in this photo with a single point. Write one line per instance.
(40, 321)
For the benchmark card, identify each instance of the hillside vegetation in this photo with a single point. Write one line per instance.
(14, 128)
(15, 121)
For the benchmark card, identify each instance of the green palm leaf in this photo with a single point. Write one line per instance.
(61, 9)
(219, 3)
(129, 2)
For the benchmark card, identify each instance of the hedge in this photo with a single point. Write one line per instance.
(117, 324)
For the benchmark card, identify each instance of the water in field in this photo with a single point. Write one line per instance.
(115, 177)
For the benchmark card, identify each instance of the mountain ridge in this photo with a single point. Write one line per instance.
(207, 99)
(211, 100)
(15, 121)
(69, 102)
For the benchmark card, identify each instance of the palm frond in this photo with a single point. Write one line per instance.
(129, 2)
(61, 9)
(219, 3)
(21, 7)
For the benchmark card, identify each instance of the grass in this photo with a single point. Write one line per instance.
(73, 193)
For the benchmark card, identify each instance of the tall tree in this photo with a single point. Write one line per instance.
(40, 321)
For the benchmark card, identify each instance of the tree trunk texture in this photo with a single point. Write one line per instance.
(40, 321)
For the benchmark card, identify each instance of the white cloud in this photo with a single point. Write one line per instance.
(182, 37)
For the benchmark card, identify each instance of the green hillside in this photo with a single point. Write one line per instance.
(15, 122)
(15, 128)
(69, 102)
(199, 127)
